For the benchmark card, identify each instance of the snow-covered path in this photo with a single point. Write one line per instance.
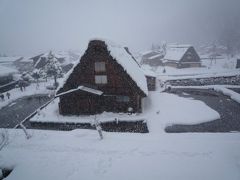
(29, 91)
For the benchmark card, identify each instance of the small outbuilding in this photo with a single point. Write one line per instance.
(181, 56)
(151, 79)
(238, 63)
(107, 68)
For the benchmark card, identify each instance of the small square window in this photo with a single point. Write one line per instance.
(100, 67)
(101, 79)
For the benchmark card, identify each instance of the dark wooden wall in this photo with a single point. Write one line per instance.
(151, 83)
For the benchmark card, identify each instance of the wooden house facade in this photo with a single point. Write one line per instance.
(150, 77)
(107, 68)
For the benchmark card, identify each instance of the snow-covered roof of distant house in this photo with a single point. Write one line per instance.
(123, 58)
(5, 71)
(146, 52)
(176, 52)
(56, 55)
(8, 59)
(38, 62)
(155, 56)
(26, 60)
(83, 88)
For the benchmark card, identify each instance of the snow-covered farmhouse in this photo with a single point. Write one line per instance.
(152, 58)
(108, 79)
(181, 56)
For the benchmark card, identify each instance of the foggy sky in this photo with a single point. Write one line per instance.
(31, 26)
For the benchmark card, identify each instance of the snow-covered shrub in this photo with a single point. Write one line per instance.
(4, 138)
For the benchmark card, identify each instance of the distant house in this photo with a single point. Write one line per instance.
(6, 75)
(24, 64)
(152, 58)
(181, 56)
(37, 59)
(41, 60)
(108, 79)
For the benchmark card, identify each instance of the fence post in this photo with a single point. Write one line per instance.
(98, 127)
(28, 136)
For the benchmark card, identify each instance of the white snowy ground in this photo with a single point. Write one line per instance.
(30, 90)
(160, 110)
(222, 67)
(80, 154)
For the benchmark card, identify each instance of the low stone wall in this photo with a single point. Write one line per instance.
(232, 80)
(113, 126)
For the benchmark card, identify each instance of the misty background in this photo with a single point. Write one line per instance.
(32, 26)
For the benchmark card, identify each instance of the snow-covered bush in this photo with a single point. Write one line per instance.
(53, 68)
(4, 138)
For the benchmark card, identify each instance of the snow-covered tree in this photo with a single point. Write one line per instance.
(53, 68)
(4, 139)
(36, 75)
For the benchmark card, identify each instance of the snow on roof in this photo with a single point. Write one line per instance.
(128, 63)
(5, 71)
(155, 56)
(146, 52)
(149, 72)
(8, 59)
(26, 60)
(38, 61)
(179, 45)
(122, 57)
(83, 88)
(176, 52)
(66, 76)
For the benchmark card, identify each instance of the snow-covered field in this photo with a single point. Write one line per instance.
(160, 110)
(80, 154)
